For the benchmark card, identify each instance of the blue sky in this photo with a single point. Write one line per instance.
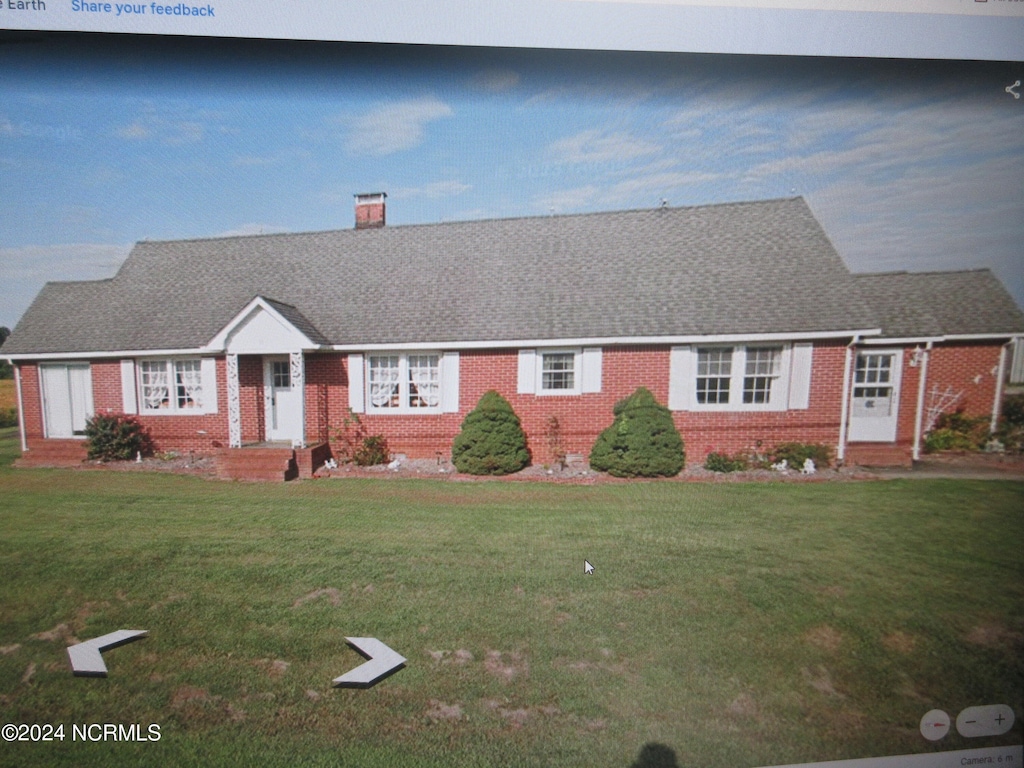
(106, 141)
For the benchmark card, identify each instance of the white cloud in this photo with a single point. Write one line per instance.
(251, 229)
(434, 190)
(594, 146)
(395, 127)
(133, 131)
(495, 80)
(24, 270)
(568, 199)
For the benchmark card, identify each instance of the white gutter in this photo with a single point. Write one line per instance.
(997, 400)
(845, 410)
(903, 340)
(977, 336)
(607, 341)
(21, 409)
(919, 416)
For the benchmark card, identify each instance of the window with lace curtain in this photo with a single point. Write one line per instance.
(171, 385)
(403, 383)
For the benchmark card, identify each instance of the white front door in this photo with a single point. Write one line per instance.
(67, 398)
(876, 396)
(283, 401)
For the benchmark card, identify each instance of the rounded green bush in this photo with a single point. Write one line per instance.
(492, 441)
(115, 436)
(641, 442)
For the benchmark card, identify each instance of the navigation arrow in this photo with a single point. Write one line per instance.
(85, 658)
(588, 568)
(382, 662)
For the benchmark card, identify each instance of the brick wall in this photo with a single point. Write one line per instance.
(970, 369)
(580, 417)
(732, 432)
(966, 368)
(32, 401)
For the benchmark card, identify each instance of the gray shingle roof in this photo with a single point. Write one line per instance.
(916, 304)
(743, 268)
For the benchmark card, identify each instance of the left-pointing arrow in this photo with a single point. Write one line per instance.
(85, 658)
(382, 662)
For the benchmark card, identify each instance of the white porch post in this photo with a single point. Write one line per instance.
(922, 382)
(1000, 375)
(844, 411)
(234, 405)
(21, 408)
(298, 370)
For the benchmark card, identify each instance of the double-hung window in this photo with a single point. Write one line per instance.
(171, 386)
(558, 372)
(404, 383)
(739, 377)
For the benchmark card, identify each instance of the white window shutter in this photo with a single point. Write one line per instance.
(129, 400)
(527, 372)
(450, 382)
(208, 370)
(681, 380)
(800, 376)
(592, 362)
(355, 383)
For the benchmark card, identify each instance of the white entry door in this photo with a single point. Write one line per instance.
(67, 398)
(876, 396)
(283, 401)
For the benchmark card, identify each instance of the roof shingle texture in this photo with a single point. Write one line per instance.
(917, 304)
(742, 268)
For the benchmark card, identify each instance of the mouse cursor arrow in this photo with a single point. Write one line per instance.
(588, 568)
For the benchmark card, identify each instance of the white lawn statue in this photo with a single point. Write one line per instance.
(330, 464)
(782, 466)
(809, 468)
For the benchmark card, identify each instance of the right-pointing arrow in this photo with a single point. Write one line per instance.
(382, 662)
(85, 658)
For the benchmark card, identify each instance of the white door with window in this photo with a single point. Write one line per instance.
(283, 401)
(67, 398)
(874, 408)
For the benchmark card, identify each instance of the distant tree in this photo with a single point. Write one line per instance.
(6, 371)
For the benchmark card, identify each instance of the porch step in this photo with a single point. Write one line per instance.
(53, 453)
(274, 464)
(879, 454)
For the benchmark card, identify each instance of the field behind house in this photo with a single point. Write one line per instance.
(8, 396)
(724, 625)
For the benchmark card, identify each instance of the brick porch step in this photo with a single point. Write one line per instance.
(53, 453)
(274, 464)
(879, 454)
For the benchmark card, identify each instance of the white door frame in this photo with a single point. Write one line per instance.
(874, 418)
(65, 390)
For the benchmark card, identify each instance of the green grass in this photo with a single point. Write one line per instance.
(733, 624)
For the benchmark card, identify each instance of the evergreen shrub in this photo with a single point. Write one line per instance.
(492, 441)
(795, 454)
(116, 437)
(723, 462)
(642, 441)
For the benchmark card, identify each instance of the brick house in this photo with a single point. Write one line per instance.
(742, 318)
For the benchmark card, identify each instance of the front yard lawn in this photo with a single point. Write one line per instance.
(732, 624)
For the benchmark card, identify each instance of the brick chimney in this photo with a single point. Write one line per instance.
(370, 210)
